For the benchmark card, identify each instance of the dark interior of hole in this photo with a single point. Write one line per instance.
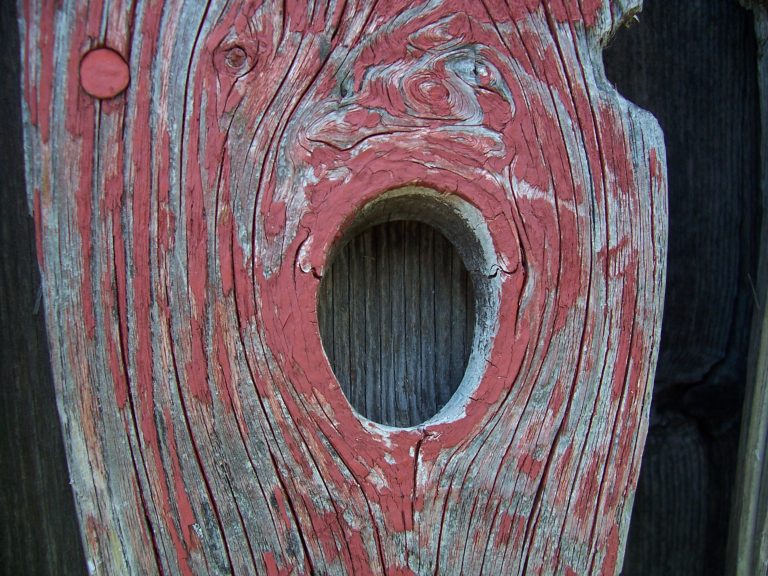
(397, 315)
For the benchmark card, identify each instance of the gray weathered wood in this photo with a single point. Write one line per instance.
(426, 310)
(39, 531)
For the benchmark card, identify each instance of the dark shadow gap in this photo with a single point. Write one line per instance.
(693, 65)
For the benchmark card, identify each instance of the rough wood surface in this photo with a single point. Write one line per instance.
(38, 526)
(748, 545)
(433, 310)
(183, 228)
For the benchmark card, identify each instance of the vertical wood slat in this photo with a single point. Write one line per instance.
(373, 333)
(341, 318)
(459, 306)
(396, 247)
(442, 264)
(427, 321)
(699, 80)
(411, 268)
(396, 314)
(386, 406)
(675, 466)
(748, 537)
(355, 338)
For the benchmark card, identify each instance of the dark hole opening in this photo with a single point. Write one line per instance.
(397, 316)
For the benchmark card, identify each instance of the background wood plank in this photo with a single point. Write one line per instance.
(428, 306)
(748, 542)
(693, 64)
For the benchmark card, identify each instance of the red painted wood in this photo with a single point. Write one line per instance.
(185, 226)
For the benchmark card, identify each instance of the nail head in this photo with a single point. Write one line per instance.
(104, 73)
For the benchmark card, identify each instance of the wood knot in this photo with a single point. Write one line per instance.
(235, 58)
(104, 73)
(232, 60)
(429, 92)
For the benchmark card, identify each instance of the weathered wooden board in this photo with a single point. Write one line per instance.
(38, 526)
(184, 225)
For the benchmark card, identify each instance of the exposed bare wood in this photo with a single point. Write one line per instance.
(38, 526)
(434, 312)
(184, 226)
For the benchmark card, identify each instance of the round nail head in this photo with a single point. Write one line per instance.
(103, 73)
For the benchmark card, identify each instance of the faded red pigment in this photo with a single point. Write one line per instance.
(202, 231)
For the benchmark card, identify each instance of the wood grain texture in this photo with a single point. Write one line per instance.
(434, 313)
(748, 543)
(675, 464)
(183, 230)
(682, 505)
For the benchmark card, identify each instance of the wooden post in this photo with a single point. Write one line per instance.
(191, 168)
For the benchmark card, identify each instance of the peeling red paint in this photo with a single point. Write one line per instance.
(275, 220)
(186, 515)
(612, 552)
(270, 564)
(505, 529)
(229, 214)
(530, 466)
(400, 571)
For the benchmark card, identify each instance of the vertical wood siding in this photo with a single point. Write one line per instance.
(396, 312)
(693, 64)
